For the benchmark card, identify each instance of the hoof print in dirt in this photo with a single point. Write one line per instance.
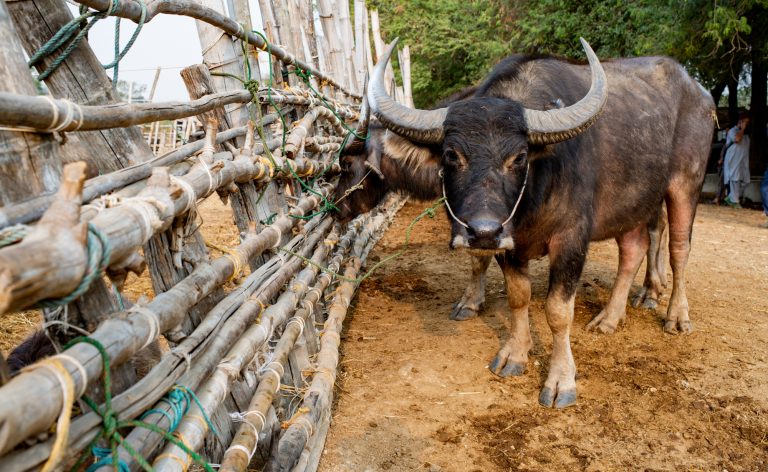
(462, 313)
(506, 370)
(564, 399)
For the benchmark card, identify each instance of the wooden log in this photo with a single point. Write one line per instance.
(237, 456)
(378, 44)
(31, 162)
(126, 229)
(367, 39)
(81, 79)
(144, 394)
(405, 69)
(333, 41)
(219, 341)
(348, 44)
(37, 392)
(239, 357)
(360, 51)
(44, 114)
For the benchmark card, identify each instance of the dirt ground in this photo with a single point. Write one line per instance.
(415, 392)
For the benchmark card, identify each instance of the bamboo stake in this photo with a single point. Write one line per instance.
(367, 43)
(132, 11)
(238, 357)
(378, 43)
(171, 367)
(360, 52)
(405, 69)
(124, 336)
(333, 42)
(348, 44)
(237, 458)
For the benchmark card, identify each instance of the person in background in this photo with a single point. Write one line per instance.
(736, 161)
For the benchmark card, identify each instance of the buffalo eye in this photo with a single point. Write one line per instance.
(452, 158)
(516, 161)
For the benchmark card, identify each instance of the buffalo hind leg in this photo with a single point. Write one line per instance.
(682, 210)
(512, 358)
(474, 294)
(656, 265)
(566, 264)
(632, 248)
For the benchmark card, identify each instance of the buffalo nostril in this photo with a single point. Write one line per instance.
(484, 229)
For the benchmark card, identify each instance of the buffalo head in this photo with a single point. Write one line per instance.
(482, 148)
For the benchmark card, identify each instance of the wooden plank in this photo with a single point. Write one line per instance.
(81, 79)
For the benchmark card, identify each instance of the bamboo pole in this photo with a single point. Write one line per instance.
(378, 44)
(367, 43)
(123, 336)
(332, 39)
(238, 456)
(360, 52)
(348, 43)
(147, 391)
(132, 11)
(405, 69)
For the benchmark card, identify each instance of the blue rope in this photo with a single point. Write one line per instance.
(120, 54)
(104, 456)
(179, 398)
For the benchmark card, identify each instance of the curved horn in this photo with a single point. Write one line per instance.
(553, 126)
(357, 143)
(421, 126)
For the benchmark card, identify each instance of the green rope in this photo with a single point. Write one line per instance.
(99, 252)
(111, 424)
(13, 234)
(430, 212)
(71, 34)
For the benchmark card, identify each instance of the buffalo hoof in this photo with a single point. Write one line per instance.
(461, 312)
(560, 399)
(603, 323)
(505, 368)
(678, 327)
(645, 299)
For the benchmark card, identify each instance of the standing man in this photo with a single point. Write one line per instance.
(736, 162)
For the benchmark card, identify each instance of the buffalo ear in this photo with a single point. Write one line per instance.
(409, 154)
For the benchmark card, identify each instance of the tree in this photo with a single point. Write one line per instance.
(454, 42)
(138, 91)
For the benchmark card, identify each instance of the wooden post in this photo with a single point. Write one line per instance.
(154, 84)
(378, 43)
(367, 43)
(82, 79)
(360, 52)
(32, 166)
(333, 42)
(348, 44)
(405, 69)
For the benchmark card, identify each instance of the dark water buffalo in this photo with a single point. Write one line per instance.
(524, 179)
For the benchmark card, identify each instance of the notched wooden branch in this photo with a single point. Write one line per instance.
(25, 269)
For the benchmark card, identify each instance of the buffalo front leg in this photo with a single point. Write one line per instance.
(512, 359)
(632, 249)
(474, 294)
(566, 264)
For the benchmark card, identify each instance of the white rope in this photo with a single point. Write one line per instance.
(305, 424)
(297, 321)
(519, 197)
(241, 448)
(80, 370)
(509, 218)
(147, 209)
(259, 415)
(273, 368)
(211, 185)
(69, 117)
(186, 190)
(154, 323)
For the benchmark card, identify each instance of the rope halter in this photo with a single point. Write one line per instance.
(462, 223)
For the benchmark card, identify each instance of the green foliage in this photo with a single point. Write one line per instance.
(453, 43)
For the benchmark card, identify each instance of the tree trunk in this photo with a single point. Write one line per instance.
(758, 112)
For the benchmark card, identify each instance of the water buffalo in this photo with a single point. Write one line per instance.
(523, 179)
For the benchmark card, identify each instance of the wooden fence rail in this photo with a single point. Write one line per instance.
(241, 330)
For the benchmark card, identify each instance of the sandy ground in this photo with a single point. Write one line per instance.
(415, 392)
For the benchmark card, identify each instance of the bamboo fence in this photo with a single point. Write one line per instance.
(92, 189)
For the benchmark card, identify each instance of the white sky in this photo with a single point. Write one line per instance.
(168, 41)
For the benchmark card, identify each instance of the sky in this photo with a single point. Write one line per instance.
(168, 41)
